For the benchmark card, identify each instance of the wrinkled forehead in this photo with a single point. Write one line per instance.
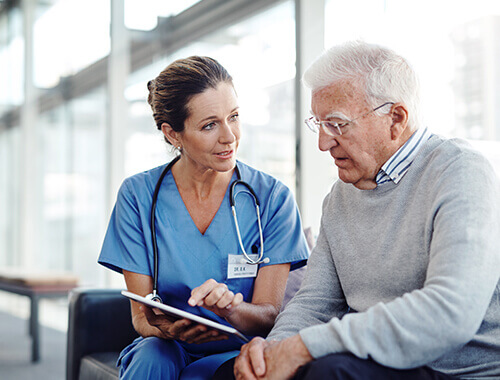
(344, 96)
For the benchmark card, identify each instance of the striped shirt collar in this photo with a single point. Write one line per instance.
(396, 167)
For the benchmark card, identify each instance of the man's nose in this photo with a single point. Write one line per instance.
(325, 141)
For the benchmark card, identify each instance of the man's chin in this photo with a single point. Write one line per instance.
(359, 183)
(344, 176)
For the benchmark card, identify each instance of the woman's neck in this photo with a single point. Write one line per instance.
(200, 182)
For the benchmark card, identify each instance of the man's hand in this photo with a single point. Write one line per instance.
(260, 359)
(250, 363)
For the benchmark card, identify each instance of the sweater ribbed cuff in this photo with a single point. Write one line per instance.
(321, 340)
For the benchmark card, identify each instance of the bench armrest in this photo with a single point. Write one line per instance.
(99, 321)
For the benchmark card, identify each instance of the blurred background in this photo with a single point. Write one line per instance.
(74, 120)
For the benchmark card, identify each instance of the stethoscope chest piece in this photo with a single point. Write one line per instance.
(154, 297)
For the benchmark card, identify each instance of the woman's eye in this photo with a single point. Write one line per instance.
(235, 117)
(208, 127)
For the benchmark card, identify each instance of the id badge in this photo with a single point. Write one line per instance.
(237, 268)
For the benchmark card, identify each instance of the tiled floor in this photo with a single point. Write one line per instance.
(15, 351)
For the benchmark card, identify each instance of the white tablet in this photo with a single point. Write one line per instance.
(173, 311)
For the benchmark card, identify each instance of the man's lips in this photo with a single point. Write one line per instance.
(340, 161)
(338, 157)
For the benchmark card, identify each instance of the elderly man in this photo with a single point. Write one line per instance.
(404, 280)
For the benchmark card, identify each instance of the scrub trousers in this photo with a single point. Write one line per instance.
(347, 367)
(154, 359)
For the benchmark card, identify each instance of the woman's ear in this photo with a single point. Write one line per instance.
(399, 114)
(170, 135)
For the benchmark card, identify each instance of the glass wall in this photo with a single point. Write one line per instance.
(144, 14)
(454, 48)
(9, 196)
(87, 184)
(69, 35)
(259, 53)
(11, 59)
(67, 182)
(53, 170)
(72, 179)
(144, 146)
(11, 96)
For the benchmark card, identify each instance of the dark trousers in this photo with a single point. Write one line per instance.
(347, 367)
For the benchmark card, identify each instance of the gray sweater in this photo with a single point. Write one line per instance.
(408, 274)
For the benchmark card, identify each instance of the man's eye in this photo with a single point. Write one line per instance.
(331, 124)
(334, 124)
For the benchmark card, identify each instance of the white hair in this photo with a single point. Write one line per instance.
(384, 75)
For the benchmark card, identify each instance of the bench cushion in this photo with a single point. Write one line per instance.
(99, 366)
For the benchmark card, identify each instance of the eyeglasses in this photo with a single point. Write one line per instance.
(336, 129)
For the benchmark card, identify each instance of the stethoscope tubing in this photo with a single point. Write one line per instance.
(232, 201)
(155, 296)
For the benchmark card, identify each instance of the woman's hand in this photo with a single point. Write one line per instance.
(215, 297)
(180, 329)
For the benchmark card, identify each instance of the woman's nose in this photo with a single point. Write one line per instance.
(227, 135)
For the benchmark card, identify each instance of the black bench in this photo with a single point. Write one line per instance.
(100, 326)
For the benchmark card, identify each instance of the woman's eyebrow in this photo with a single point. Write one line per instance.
(214, 117)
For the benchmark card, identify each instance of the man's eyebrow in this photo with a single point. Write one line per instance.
(337, 115)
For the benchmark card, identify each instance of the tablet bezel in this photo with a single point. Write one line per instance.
(173, 311)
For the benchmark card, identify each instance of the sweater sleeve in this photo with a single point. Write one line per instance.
(320, 294)
(462, 274)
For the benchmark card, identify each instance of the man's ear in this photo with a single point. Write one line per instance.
(399, 114)
(170, 135)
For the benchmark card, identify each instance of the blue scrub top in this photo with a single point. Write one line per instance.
(187, 258)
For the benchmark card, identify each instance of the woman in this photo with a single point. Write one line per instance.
(195, 106)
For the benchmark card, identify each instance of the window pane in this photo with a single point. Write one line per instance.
(145, 147)
(9, 196)
(259, 53)
(87, 194)
(11, 59)
(143, 14)
(454, 48)
(72, 214)
(54, 212)
(68, 36)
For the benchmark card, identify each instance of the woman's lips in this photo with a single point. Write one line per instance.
(225, 154)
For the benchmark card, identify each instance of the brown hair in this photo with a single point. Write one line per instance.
(171, 91)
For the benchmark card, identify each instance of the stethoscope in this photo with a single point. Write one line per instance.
(246, 260)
